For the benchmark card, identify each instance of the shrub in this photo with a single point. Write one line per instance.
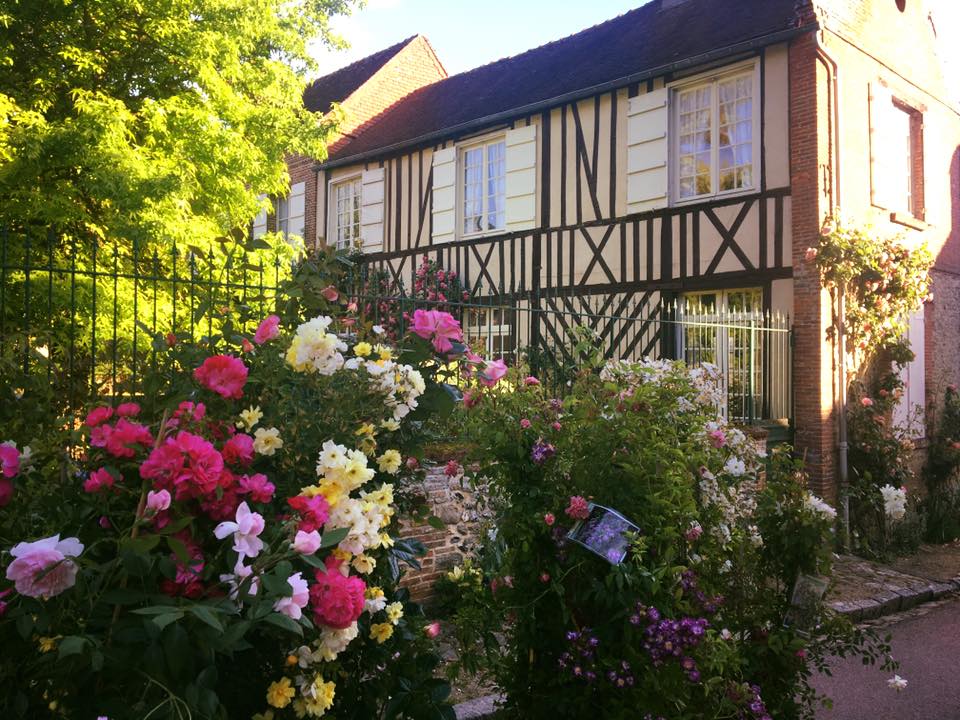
(686, 614)
(222, 546)
(942, 503)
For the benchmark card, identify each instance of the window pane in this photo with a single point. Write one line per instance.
(496, 186)
(694, 141)
(735, 133)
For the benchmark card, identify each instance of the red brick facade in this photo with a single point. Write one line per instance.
(412, 67)
(867, 40)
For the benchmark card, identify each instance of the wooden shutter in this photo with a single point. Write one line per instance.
(521, 181)
(647, 151)
(371, 210)
(296, 210)
(260, 221)
(444, 209)
(909, 412)
(881, 109)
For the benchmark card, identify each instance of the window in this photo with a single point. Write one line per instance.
(493, 329)
(483, 187)
(714, 133)
(347, 200)
(896, 156)
(715, 328)
(291, 212)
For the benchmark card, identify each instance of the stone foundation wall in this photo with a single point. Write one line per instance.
(464, 511)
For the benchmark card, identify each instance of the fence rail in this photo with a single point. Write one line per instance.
(84, 317)
(752, 349)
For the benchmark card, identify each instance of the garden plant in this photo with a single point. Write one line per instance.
(648, 561)
(225, 544)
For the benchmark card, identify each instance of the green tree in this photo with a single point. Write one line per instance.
(154, 120)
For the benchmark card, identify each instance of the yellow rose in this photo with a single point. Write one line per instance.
(381, 632)
(394, 612)
(362, 349)
(389, 462)
(280, 693)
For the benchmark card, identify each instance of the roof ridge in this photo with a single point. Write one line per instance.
(395, 47)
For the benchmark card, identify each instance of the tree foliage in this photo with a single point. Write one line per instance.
(154, 119)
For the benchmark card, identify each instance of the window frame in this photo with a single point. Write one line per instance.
(713, 78)
(916, 205)
(483, 141)
(333, 214)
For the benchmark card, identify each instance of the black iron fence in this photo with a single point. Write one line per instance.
(554, 331)
(84, 318)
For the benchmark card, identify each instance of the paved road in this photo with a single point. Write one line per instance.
(927, 644)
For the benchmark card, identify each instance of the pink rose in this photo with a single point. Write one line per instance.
(438, 327)
(330, 293)
(187, 464)
(412, 463)
(306, 543)
(171, 340)
(313, 511)
(44, 569)
(693, 532)
(866, 402)
(549, 519)
(4, 604)
(810, 255)
(238, 450)
(470, 399)
(432, 630)
(557, 426)
(578, 509)
(337, 600)
(9, 460)
(246, 346)
(717, 438)
(530, 380)
(157, 501)
(524, 423)
(246, 531)
(99, 480)
(104, 522)
(98, 416)
(121, 440)
(224, 375)
(293, 605)
(257, 486)
(267, 330)
(544, 577)
(452, 469)
(130, 409)
(491, 374)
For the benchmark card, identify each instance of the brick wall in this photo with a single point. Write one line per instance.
(813, 365)
(868, 39)
(463, 511)
(413, 67)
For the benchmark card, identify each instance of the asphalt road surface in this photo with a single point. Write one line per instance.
(927, 644)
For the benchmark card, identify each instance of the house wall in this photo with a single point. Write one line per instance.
(584, 239)
(873, 41)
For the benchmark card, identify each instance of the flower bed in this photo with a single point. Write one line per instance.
(224, 546)
(639, 570)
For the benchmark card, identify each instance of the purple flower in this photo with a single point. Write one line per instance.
(542, 451)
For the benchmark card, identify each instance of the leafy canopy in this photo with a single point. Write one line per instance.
(154, 119)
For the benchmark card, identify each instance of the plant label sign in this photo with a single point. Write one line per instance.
(605, 533)
(804, 610)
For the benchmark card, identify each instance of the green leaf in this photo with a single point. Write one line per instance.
(333, 537)
(161, 621)
(207, 615)
(435, 522)
(71, 645)
(141, 545)
(155, 610)
(282, 621)
(179, 548)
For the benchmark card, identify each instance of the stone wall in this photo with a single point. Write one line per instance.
(464, 511)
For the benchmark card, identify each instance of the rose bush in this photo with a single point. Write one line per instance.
(223, 546)
(682, 609)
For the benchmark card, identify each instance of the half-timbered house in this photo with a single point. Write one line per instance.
(680, 156)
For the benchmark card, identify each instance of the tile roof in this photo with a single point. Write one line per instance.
(653, 36)
(340, 84)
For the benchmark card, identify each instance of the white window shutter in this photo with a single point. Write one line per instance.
(647, 151)
(371, 210)
(444, 210)
(909, 412)
(296, 218)
(521, 181)
(881, 110)
(260, 221)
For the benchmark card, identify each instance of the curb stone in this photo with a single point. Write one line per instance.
(892, 599)
(478, 708)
